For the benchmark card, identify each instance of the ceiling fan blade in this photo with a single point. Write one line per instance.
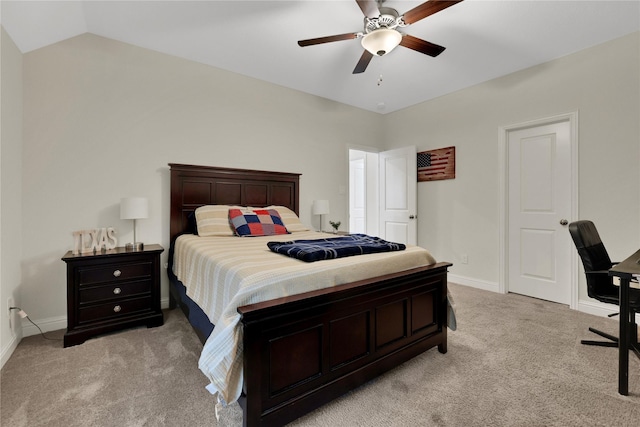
(363, 62)
(426, 9)
(369, 8)
(328, 39)
(421, 46)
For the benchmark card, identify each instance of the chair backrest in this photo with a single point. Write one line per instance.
(594, 257)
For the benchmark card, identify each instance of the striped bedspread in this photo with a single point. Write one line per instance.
(223, 273)
(335, 247)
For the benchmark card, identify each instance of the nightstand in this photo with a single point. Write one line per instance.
(112, 290)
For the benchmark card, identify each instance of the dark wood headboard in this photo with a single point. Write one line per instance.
(195, 186)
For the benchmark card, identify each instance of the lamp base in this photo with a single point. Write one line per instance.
(134, 247)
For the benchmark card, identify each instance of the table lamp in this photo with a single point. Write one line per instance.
(320, 207)
(134, 208)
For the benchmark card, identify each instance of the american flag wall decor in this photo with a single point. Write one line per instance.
(437, 164)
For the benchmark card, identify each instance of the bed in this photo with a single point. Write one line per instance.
(302, 350)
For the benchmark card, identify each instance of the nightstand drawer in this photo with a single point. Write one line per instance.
(114, 309)
(118, 290)
(114, 272)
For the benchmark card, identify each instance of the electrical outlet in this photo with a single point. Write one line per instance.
(10, 303)
(465, 259)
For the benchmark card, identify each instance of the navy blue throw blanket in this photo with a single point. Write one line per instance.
(334, 247)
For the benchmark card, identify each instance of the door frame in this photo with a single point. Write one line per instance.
(503, 162)
(362, 156)
(371, 204)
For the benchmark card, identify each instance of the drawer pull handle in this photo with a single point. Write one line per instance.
(117, 273)
(117, 291)
(117, 308)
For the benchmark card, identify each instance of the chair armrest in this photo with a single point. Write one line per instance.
(598, 272)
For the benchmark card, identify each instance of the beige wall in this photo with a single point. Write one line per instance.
(103, 119)
(10, 189)
(462, 215)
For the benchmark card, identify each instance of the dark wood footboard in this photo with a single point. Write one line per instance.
(303, 351)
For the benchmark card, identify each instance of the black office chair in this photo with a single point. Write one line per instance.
(597, 263)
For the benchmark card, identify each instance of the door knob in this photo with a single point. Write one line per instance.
(564, 222)
(412, 216)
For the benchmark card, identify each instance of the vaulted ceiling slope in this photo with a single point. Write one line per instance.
(484, 39)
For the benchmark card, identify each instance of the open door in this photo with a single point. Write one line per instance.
(398, 195)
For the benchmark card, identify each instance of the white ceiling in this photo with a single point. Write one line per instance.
(484, 39)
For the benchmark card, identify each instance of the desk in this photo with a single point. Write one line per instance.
(626, 271)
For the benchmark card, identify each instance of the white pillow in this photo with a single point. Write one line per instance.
(213, 220)
(290, 219)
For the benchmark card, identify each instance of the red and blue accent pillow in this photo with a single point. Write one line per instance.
(257, 222)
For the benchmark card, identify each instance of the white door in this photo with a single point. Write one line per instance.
(398, 194)
(539, 204)
(357, 192)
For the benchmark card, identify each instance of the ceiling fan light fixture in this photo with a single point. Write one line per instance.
(381, 41)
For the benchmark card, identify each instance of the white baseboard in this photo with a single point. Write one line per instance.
(596, 308)
(8, 350)
(47, 325)
(473, 283)
(59, 322)
(586, 306)
(601, 309)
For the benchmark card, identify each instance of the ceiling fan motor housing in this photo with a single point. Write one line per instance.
(388, 18)
(381, 36)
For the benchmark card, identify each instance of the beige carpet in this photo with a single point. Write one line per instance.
(514, 361)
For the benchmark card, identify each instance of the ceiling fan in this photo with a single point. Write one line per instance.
(381, 35)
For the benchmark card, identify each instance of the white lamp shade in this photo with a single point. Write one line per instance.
(134, 208)
(381, 41)
(320, 207)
